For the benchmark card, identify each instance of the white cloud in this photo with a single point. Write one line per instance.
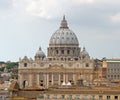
(47, 8)
(115, 18)
(41, 8)
(54, 8)
(90, 18)
(83, 1)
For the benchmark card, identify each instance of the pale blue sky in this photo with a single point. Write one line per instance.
(25, 25)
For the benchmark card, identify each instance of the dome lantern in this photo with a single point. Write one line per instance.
(64, 23)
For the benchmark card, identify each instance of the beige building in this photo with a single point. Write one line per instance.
(65, 63)
(112, 67)
(76, 93)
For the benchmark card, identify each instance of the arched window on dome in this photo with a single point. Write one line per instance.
(68, 51)
(62, 51)
(56, 51)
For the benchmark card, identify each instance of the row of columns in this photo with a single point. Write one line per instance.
(65, 79)
(46, 79)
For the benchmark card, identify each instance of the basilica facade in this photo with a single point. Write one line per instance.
(65, 63)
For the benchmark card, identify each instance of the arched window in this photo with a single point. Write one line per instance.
(25, 64)
(25, 83)
(62, 51)
(68, 51)
(56, 51)
(87, 65)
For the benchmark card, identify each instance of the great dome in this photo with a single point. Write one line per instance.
(64, 36)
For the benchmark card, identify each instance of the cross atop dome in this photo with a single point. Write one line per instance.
(64, 23)
(64, 17)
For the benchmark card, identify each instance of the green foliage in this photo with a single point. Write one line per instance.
(11, 65)
(2, 69)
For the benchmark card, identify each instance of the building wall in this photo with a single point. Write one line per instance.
(50, 73)
(112, 69)
(78, 97)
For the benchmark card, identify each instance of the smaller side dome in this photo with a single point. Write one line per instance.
(84, 53)
(40, 53)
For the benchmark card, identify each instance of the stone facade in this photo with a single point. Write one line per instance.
(76, 93)
(65, 62)
(112, 67)
(79, 97)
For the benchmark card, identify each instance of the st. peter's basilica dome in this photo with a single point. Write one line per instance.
(64, 36)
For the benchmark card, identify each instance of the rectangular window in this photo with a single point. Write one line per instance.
(56, 51)
(25, 64)
(93, 97)
(108, 97)
(111, 76)
(116, 98)
(68, 51)
(87, 65)
(69, 97)
(62, 96)
(62, 51)
(100, 97)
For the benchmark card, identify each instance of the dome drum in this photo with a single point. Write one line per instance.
(63, 51)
